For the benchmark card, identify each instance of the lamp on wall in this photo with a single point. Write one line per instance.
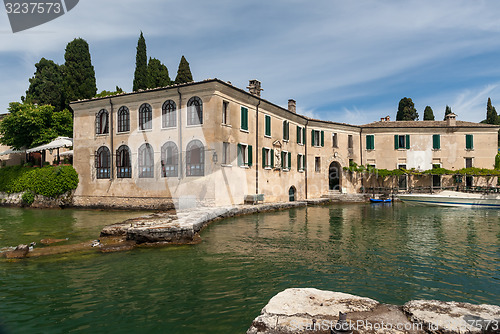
(214, 157)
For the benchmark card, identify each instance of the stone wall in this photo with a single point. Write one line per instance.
(40, 201)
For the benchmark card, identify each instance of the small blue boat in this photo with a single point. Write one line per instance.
(379, 200)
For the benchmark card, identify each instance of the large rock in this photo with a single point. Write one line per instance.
(452, 317)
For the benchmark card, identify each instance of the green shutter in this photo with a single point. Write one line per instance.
(250, 155)
(282, 159)
(264, 158)
(469, 142)
(436, 142)
(240, 160)
(407, 142)
(396, 142)
(244, 118)
(284, 130)
(298, 134)
(322, 138)
(304, 135)
(272, 158)
(287, 130)
(298, 161)
(289, 161)
(312, 137)
(268, 125)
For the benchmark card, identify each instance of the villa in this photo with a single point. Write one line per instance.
(211, 143)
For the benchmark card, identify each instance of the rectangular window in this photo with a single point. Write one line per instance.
(267, 131)
(335, 140)
(244, 155)
(267, 158)
(317, 164)
(436, 142)
(403, 182)
(468, 162)
(225, 110)
(300, 162)
(244, 119)
(350, 143)
(401, 142)
(370, 142)
(226, 155)
(286, 160)
(469, 142)
(286, 130)
(318, 138)
(300, 135)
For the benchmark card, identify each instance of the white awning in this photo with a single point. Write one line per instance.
(56, 143)
(67, 153)
(12, 151)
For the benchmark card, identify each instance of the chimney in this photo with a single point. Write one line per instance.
(254, 87)
(385, 119)
(292, 106)
(451, 119)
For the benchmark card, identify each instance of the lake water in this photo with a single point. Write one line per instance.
(389, 253)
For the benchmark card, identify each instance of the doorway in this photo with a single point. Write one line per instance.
(291, 194)
(334, 174)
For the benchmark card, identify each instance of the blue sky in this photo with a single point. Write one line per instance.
(344, 61)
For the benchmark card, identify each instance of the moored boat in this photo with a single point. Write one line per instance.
(454, 199)
(380, 200)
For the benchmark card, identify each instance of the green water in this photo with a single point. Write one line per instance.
(389, 253)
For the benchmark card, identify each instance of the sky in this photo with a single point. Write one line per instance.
(342, 61)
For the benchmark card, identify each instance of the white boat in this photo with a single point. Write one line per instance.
(454, 198)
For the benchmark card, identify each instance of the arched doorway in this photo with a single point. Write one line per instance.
(334, 174)
(291, 194)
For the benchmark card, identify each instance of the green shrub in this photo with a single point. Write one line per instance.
(48, 181)
(28, 197)
(497, 161)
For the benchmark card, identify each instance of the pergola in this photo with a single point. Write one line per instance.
(56, 144)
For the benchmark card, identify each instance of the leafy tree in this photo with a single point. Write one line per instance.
(447, 111)
(105, 93)
(141, 65)
(28, 125)
(157, 74)
(79, 82)
(491, 114)
(46, 86)
(406, 110)
(428, 114)
(184, 72)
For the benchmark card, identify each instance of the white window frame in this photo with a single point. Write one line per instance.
(267, 158)
(244, 153)
(335, 140)
(301, 135)
(284, 163)
(317, 138)
(225, 112)
(226, 154)
(317, 164)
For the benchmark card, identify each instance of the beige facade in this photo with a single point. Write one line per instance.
(212, 143)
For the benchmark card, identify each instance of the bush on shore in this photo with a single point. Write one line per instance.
(49, 181)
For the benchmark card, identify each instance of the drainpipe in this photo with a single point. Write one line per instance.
(181, 170)
(257, 149)
(111, 133)
(305, 155)
(361, 154)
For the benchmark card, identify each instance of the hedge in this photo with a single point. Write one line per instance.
(48, 181)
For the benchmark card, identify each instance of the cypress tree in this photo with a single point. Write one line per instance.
(446, 112)
(406, 110)
(79, 74)
(46, 86)
(157, 74)
(184, 72)
(428, 114)
(491, 113)
(141, 65)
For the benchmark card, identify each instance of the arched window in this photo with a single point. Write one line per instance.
(145, 117)
(123, 119)
(101, 122)
(168, 114)
(195, 158)
(146, 161)
(102, 163)
(123, 162)
(195, 111)
(169, 159)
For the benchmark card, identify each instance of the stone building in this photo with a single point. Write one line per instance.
(211, 143)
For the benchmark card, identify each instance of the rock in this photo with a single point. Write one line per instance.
(307, 311)
(51, 241)
(453, 317)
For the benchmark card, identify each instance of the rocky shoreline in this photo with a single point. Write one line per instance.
(308, 310)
